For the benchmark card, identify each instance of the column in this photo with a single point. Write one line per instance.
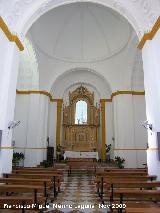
(9, 61)
(103, 128)
(151, 65)
(125, 146)
(58, 127)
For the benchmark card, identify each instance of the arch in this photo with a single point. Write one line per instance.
(69, 74)
(28, 75)
(125, 8)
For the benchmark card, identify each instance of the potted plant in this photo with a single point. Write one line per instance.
(17, 157)
(46, 164)
(119, 161)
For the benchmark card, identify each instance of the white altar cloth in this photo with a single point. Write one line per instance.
(72, 154)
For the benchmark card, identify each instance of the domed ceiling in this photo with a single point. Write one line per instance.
(81, 32)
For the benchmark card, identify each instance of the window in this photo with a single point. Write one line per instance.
(81, 112)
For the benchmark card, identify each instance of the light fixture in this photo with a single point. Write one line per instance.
(147, 125)
(13, 124)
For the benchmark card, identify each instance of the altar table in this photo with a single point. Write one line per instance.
(73, 154)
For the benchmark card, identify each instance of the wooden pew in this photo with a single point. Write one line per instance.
(22, 189)
(102, 179)
(44, 169)
(112, 184)
(55, 178)
(46, 183)
(124, 169)
(119, 173)
(142, 210)
(124, 194)
(25, 171)
(15, 201)
(30, 171)
(81, 163)
(130, 184)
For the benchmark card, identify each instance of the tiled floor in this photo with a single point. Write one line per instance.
(79, 191)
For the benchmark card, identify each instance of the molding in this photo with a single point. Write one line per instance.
(129, 149)
(58, 124)
(11, 147)
(140, 149)
(122, 93)
(150, 35)
(39, 148)
(11, 37)
(127, 93)
(29, 92)
(153, 149)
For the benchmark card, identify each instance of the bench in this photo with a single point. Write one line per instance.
(15, 201)
(131, 184)
(46, 183)
(55, 178)
(81, 163)
(10, 188)
(119, 173)
(125, 169)
(124, 194)
(142, 210)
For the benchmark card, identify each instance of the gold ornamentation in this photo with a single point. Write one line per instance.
(83, 137)
(11, 37)
(150, 35)
(58, 127)
(103, 116)
(81, 93)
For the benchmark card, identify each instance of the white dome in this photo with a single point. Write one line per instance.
(81, 32)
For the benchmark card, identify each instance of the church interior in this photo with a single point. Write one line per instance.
(79, 106)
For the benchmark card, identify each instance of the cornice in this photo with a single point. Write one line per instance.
(150, 35)
(11, 37)
(122, 93)
(29, 92)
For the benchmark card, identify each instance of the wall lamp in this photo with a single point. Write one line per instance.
(13, 124)
(147, 125)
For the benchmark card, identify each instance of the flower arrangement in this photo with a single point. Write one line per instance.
(119, 161)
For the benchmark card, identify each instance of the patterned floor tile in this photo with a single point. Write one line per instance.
(78, 195)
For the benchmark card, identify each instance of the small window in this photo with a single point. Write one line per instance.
(81, 112)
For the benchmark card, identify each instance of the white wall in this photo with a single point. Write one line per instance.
(9, 56)
(129, 134)
(151, 64)
(31, 135)
(140, 133)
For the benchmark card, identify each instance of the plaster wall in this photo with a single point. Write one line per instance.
(128, 130)
(32, 111)
(151, 55)
(8, 79)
